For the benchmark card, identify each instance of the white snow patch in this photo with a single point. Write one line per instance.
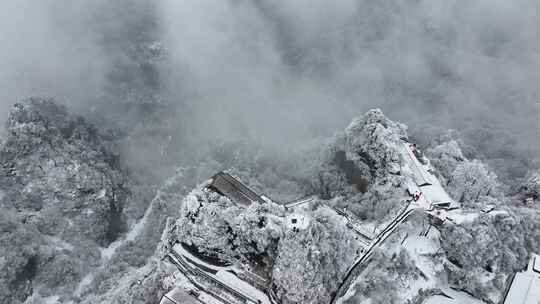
(102, 193)
(498, 212)
(348, 295)
(461, 216)
(107, 253)
(83, 283)
(525, 288)
(51, 300)
(420, 247)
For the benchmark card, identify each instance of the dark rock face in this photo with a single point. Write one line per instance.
(354, 175)
(362, 166)
(62, 194)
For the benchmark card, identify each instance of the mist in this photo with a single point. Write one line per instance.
(287, 69)
(284, 72)
(49, 49)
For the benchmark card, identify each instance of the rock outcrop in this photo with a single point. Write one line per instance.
(362, 167)
(58, 171)
(63, 196)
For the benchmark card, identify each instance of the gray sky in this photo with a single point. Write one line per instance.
(312, 65)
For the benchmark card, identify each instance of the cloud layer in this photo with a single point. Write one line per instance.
(284, 71)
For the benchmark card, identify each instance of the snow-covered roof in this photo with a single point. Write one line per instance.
(421, 177)
(178, 296)
(227, 185)
(428, 184)
(525, 288)
(299, 201)
(223, 277)
(436, 194)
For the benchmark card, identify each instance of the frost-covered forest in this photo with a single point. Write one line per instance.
(115, 112)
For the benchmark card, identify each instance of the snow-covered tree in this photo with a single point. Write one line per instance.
(223, 229)
(383, 276)
(470, 180)
(487, 246)
(312, 262)
(446, 157)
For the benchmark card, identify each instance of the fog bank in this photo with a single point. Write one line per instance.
(283, 72)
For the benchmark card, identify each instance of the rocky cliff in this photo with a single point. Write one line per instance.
(63, 197)
(76, 228)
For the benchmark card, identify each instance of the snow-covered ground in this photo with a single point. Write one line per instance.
(51, 300)
(298, 221)
(420, 249)
(299, 202)
(525, 288)
(426, 186)
(368, 250)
